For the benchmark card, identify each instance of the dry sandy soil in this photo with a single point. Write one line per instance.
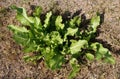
(12, 66)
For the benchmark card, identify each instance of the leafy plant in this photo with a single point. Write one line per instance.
(57, 42)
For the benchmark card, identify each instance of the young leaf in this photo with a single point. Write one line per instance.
(37, 11)
(56, 38)
(58, 23)
(75, 21)
(47, 20)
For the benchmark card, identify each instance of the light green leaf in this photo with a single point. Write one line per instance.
(21, 38)
(99, 48)
(71, 31)
(37, 11)
(56, 38)
(95, 22)
(98, 56)
(17, 28)
(110, 60)
(75, 68)
(47, 20)
(77, 46)
(37, 22)
(48, 53)
(30, 47)
(28, 58)
(89, 56)
(55, 62)
(58, 23)
(22, 15)
(75, 21)
(102, 52)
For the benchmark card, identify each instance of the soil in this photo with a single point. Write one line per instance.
(12, 66)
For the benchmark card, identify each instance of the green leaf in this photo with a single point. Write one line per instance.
(58, 23)
(48, 53)
(55, 62)
(28, 58)
(110, 60)
(17, 28)
(30, 47)
(75, 21)
(71, 31)
(21, 38)
(102, 52)
(37, 22)
(98, 56)
(99, 48)
(37, 11)
(75, 68)
(89, 56)
(22, 15)
(94, 23)
(47, 20)
(56, 38)
(77, 46)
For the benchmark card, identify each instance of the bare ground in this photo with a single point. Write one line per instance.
(12, 66)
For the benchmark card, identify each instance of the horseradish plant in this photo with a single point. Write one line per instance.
(58, 42)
